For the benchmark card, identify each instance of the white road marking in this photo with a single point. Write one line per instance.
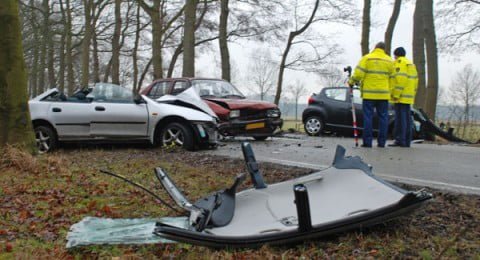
(449, 186)
(405, 180)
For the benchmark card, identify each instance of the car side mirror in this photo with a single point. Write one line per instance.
(138, 100)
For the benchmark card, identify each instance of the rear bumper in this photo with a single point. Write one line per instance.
(259, 127)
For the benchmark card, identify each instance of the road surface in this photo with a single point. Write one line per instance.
(449, 167)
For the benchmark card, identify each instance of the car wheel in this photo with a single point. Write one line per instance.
(314, 125)
(177, 134)
(260, 138)
(45, 138)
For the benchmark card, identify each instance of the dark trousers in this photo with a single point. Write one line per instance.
(381, 106)
(403, 125)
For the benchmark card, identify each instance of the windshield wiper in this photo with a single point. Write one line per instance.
(233, 96)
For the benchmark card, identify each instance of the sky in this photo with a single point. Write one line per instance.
(348, 37)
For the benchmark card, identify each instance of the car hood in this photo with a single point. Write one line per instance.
(234, 104)
(188, 98)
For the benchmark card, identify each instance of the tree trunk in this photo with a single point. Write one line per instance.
(116, 44)
(157, 43)
(432, 61)
(189, 39)
(136, 87)
(281, 71)
(43, 48)
(69, 50)
(96, 59)
(222, 40)
(36, 54)
(86, 42)
(61, 66)
(16, 126)
(391, 26)
(366, 26)
(291, 36)
(418, 50)
(50, 39)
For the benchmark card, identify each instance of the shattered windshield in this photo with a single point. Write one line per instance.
(216, 89)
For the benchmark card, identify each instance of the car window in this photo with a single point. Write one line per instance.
(111, 93)
(339, 94)
(215, 88)
(159, 89)
(179, 87)
(357, 99)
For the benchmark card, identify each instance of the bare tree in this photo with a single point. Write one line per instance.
(332, 11)
(366, 26)
(465, 93)
(418, 49)
(262, 72)
(297, 91)
(391, 25)
(331, 77)
(460, 25)
(116, 43)
(16, 127)
(87, 5)
(160, 25)
(189, 39)
(432, 60)
(222, 40)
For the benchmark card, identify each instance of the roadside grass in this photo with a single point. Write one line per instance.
(43, 196)
(289, 124)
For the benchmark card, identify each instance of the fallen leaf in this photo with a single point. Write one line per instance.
(8, 247)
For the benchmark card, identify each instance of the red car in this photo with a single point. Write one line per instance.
(238, 115)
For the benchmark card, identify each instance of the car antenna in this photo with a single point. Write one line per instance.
(348, 69)
(141, 187)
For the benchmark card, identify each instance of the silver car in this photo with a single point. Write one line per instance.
(111, 112)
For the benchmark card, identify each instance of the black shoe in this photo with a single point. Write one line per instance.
(381, 146)
(366, 146)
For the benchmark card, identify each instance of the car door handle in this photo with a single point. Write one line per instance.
(56, 109)
(99, 108)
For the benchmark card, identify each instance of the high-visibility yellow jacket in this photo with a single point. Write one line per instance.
(404, 81)
(373, 73)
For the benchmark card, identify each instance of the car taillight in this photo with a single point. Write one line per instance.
(310, 100)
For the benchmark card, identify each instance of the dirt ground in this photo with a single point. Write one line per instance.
(43, 196)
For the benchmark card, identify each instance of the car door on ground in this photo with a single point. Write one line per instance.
(115, 114)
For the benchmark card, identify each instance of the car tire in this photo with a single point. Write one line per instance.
(314, 126)
(45, 138)
(177, 134)
(260, 138)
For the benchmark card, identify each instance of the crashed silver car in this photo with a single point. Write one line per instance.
(112, 113)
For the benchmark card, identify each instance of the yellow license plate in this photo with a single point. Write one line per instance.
(255, 126)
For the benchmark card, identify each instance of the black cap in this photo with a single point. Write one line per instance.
(400, 52)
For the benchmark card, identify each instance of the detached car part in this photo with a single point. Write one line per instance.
(345, 196)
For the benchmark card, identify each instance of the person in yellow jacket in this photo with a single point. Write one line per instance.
(404, 83)
(373, 76)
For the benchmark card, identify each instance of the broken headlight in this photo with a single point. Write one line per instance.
(234, 113)
(273, 113)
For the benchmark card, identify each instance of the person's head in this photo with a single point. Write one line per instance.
(399, 52)
(380, 45)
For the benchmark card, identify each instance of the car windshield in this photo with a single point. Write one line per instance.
(105, 92)
(216, 89)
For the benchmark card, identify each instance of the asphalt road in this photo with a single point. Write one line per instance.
(448, 167)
